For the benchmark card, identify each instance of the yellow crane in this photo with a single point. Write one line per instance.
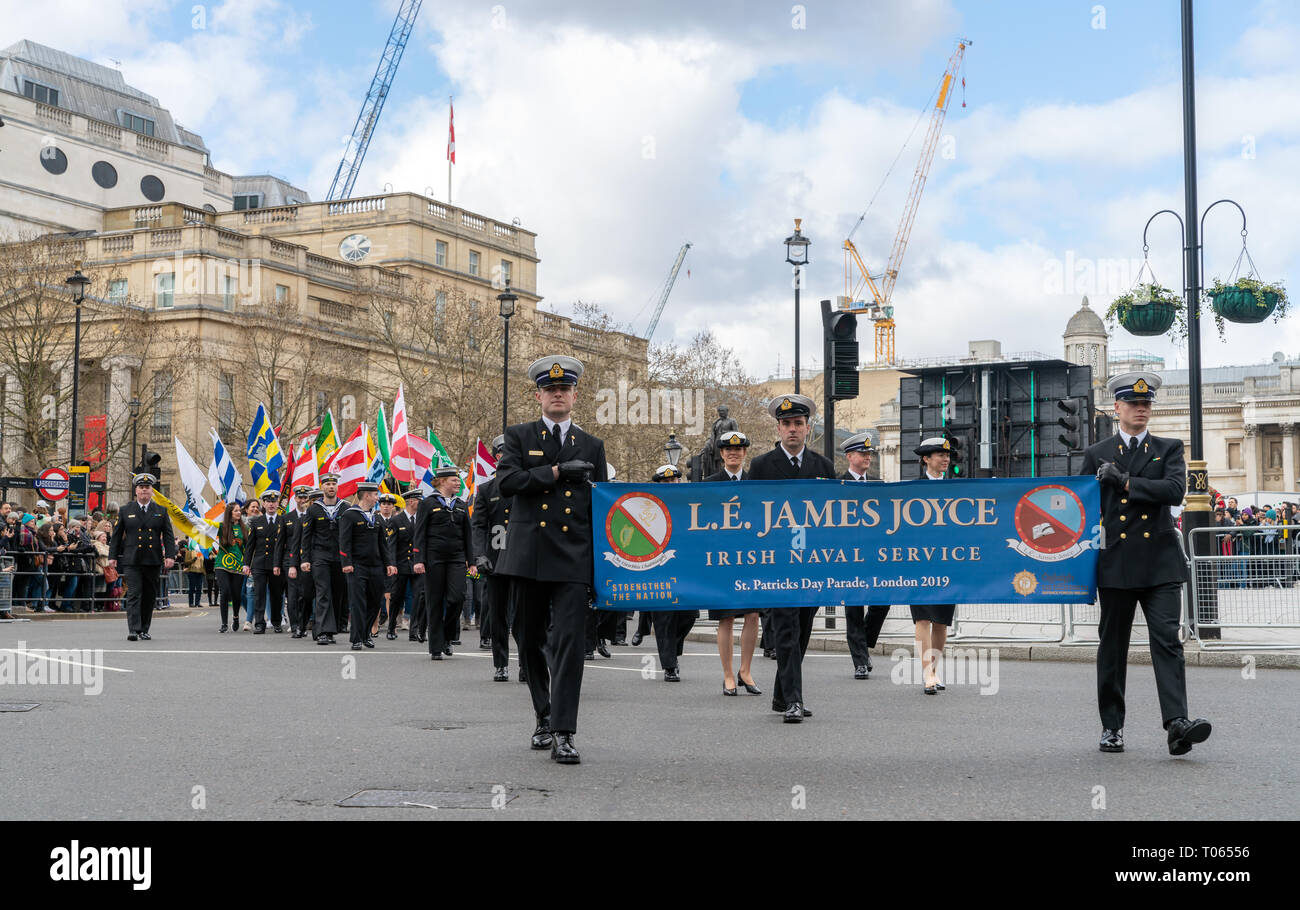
(879, 307)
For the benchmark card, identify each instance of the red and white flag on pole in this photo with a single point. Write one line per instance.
(485, 466)
(451, 132)
(351, 463)
(400, 461)
(302, 469)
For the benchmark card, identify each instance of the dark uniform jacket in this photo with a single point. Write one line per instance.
(848, 475)
(725, 477)
(143, 535)
(441, 534)
(551, 538)
(775, 465)
(263, 543)
(489, 521)
(288, 554)
(363, 541)
(320, 536)
(1141, 542)
(400, 529)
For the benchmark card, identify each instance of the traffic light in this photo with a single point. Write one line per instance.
(842, 346)
(149, 463)
(956, 458)
(1071, 421)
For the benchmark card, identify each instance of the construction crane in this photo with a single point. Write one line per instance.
(880, 308)
(668, 289)
(355, 151)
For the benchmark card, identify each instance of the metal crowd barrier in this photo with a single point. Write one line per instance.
(1243, 595)
(6, 583)
(31, 591)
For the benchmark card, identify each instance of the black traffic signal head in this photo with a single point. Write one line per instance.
(956, 463)
(149, 463)
(1073, 415)
(842, 346)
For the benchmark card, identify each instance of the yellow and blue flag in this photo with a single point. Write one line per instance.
(265, 460)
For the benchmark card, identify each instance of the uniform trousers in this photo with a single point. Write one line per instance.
(863, 630)
(444, 597)
(398, 585)
(765, 626)
(1161, 605)
(670, 628)
(791, 629)
(141, 596)
(601, 626)
(331, 597)
(499, 617)
(643, 624)
(553, 661)
(365, 597)
(264, 582)
(298, 598)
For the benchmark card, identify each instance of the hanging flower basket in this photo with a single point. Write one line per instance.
(1148, 310)
(1246, 300)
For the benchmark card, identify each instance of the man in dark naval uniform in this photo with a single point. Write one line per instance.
(320, 557)
(1141, 562)
(366, 553)
(548, 466)
(264, 534)
(861, 631)
(400, 528)
(144, 542)
(791, 626)
(441, 555)
(488, 531)
(671, 626)
(298, 591)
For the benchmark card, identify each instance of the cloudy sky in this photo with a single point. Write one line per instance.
(619, 131)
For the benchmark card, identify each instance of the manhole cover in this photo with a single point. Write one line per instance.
(10, 706)
(426, 799)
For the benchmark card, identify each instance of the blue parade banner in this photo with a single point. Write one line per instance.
(774, 543)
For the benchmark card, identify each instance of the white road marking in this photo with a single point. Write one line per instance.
(40, 655)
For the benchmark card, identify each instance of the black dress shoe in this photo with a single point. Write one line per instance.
(931, 690)
(861, 672)
(223, 628)
(277, 629)
(501, 675)
(1111, 740)
(356, 646)
(602, 650)
(132, 637)
(619, 642)
(436, 655)
(523, 676)
(769, 653)
(636, 639)
(672, 675)
(424, 639)
(145, 636)
(589, 655)
(454, 641)
(392, 636)
(1183, 733)
(259, 630)
(447, 651)
(781, 707)
(413, 639)
(726, 691)
(542, 736)
(369, 642)
(869, 667)
(484, 645)
(562, 749)
(324, 640)
(793, 714)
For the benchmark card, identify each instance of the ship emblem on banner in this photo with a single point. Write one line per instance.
(639, 527)
(1050, 521)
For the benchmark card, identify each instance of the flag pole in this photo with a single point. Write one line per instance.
(450, 126)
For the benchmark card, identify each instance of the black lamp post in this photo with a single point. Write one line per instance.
(796, 253)
(507, 299)
(134, 407)
(672, 450)
(77, 283)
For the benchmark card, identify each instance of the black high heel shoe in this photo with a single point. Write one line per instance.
(726, 691)
(749, 687)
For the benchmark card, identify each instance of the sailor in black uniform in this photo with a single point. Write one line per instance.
(367, 559)
(401, 528)
(548, 466)
(320, 555)
(1141, 562)
(441, 555)
(862, 632)
(264, 533)
(145, 544)
(297, 583)
(488, 531)
(791, 626)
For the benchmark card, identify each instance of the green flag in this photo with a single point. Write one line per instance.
(381, 436)
(441, 453)
(327, 441)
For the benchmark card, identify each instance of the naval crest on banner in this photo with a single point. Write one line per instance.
(638, 527)
(1050, 521)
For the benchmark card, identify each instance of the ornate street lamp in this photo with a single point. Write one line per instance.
(796, 253)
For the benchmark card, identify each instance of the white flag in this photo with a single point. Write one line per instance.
(192, 479)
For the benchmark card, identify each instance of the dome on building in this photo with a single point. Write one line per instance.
(1085, 322)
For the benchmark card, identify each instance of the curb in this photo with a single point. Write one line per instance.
(1193, 655)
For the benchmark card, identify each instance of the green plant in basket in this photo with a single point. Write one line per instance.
(1246, 300)
(1149, 309)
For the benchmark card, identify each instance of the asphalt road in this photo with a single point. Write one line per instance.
(250, 727)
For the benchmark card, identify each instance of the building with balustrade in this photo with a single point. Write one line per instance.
(153, 223)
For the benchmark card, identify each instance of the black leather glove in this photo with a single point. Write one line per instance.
(1110, 475)
(483, 564)
(576, 471)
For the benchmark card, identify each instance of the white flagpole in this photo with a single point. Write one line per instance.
(451, 125)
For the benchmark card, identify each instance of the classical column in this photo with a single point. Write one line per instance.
(1289, 457)
(1250, 456)
(120, 387)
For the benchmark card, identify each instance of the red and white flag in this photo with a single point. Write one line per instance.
(302, 468)
(485, 466)
(451, 132)
(351, 463)
(400, 461)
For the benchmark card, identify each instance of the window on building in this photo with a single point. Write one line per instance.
(505, 272)
(226, 403)
(1234, 456)
(473, 262)
(117, 290)
(281, 293)
(135, 122)
(247, 201)
(440, 254)
(160, 425)
(42, 93)
(322, 405)
(164, 284)
(229, 293)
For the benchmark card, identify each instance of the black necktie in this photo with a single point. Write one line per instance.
(1132, 444)
(733, 477)
(794, 461)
